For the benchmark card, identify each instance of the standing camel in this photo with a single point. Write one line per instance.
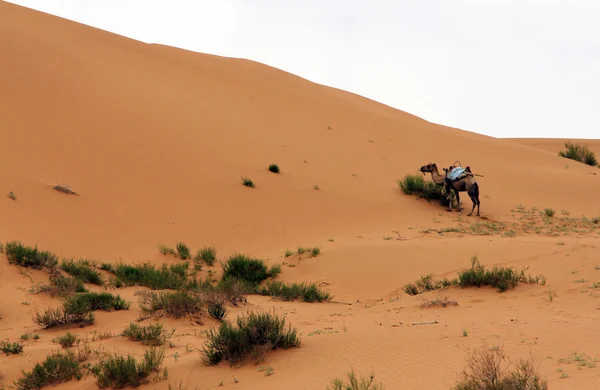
(465, 183)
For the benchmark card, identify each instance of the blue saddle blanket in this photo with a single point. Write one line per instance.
(456, 172)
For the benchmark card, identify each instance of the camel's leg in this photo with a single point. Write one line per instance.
(458, 208)
(474, 195)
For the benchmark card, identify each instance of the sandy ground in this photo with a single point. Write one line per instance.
(155, 141)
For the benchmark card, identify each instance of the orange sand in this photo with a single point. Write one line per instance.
(156, 139)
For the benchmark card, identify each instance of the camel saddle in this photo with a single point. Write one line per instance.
(456, 173)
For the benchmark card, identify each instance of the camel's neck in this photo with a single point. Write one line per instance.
(436, 177)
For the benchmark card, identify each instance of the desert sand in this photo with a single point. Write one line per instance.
(155, 140)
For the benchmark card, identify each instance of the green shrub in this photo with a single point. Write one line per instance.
(247, 182)
(242, 267)
(208, 255)
(274, 168)
(59, 367)
(61, 317)
(486, 372)
(308, 292)
(82, 270)
(63, 286)
(11, 348)
(118, 371)
(183, 251)
(176, 304)
(147, 275)
(253, 333)
(355, 384)
(501, 278)
(217, 310)
(153, 334)
(66, 341)
(416, 185)
(579, 153)
(26, 256)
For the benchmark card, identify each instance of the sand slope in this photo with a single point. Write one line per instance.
(155, 140)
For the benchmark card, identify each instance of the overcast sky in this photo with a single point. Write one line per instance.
(507, 68)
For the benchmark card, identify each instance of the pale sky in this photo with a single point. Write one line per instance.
(520, 68)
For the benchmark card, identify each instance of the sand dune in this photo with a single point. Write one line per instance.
(155, 141)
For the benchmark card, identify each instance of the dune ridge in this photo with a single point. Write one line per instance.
(155, 140)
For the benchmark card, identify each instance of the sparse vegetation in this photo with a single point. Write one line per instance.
(485, 371)
(549, 212)
(82, 271)
(78, 309)
(247, 182)
(439, 302)
(175, 304)
(183, 251)
(64, 189)
(501, 278)
(165, 250)
(579, 153)
(416, 185)
(208, 255)
(353, 383)
(167, 277)
(58, 367)
(62, 286)
(274, 168)
(153, 334)
(217, 310)
(250, 270)
(11, 348)
(118, 371)
(12, 195)
(256, 333)
(26, 256)
(67, 340)
(308, 292)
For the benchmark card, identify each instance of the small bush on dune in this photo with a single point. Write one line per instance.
(355, 384)
(153, 334)
(66, 341)
(183, 251)
(63, 286)
(274, 168)
(32, 257)
(252, 271)
(485, 372)
(579, 153)
(501, 278)
(82, 271)
(208, 255)
(59, 367)
(308, 292)
(118, 371)
(255, 332)
(78, 309)
(148, 276)
(416, 185)
(11, 348)
(176, 304)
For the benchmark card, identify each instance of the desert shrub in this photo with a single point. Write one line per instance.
(308, 292)
(242, 267)
(148, 276)
(217, 310)
(549, 212)
(176, 304)
(354, 383)
(153, 334)
(485, 371)
(11, 348)
(26, 256)
(208, 255)
(235, 290)
(502, 278)
(63, 286)
(82, 271)
(416, 185)
(78, 309)
(314, 252)
(67, 340)
(247, 182)
(118, 371)
(274, 168)
(59, 367)
(92, 301)
(427, 283)
(256, 331)
(107, 267)
(183, 251)
(579, 153)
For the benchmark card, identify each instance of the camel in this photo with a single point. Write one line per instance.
(465, 183)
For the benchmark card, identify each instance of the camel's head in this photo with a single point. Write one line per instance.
(428, 168)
